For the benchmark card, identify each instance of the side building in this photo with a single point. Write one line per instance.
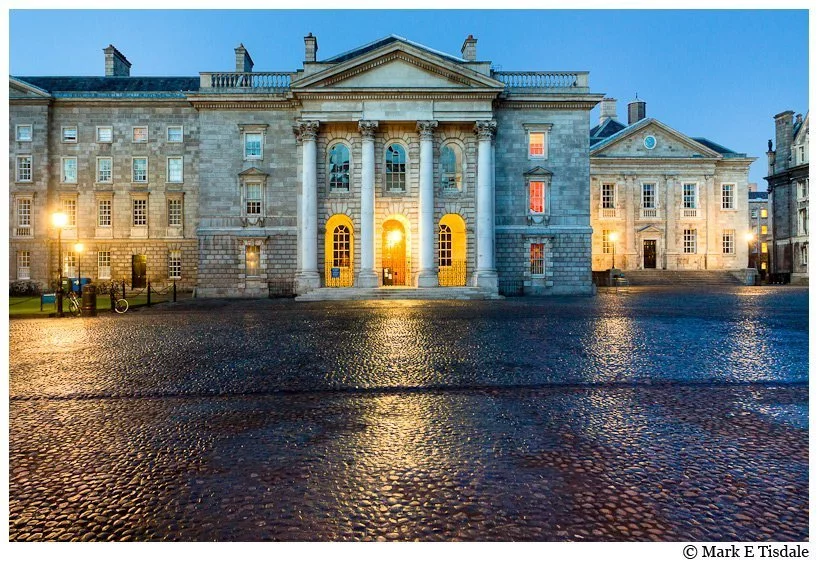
(760, 239)
(788, 187)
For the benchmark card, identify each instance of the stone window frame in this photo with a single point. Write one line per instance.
(21, 229)
(728, 242)
(543, 128)
(253, 176)
(133, 170)
(689, 241)
(133, 134)
(63, 178)
(23, 265)
(614, 195)
(108, 197)
(174, 264)
(330, 145)
(536, 273)
(538, 174)
(245, 129)
(111, 170)
(102, 274)
(181, 129)
(65, 139)
(696, 194)
(461, 147)
(607, 247)
(97, 137)
(71, 210)
(19, 170)
(260, 273)
(175, 197)
(406, 166)
(69, 267)
(732, 196)
(139, 197)
(181, 170)
(30, 133)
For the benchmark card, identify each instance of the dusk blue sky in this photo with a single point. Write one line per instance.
(715, 74)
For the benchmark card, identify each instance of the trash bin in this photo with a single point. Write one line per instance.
(89, 300)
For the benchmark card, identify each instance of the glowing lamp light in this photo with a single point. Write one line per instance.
(393, 238)
(59, 219)
(79, 247)
(750, 236)
(614, 236)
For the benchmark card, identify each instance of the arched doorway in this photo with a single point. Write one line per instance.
(452, 251)
(393, 254)
(338, 251)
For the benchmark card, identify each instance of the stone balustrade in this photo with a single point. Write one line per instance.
(279, 82)
(541, 80)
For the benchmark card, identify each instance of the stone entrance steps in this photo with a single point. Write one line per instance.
(399, 293)
(659, 277)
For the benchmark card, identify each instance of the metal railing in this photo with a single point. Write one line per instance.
(541, 80)
(281, 288)
(267, 81)
(337, 277)
(510, 287)
(452, 275)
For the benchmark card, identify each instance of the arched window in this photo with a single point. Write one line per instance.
(395, 168)
(339, 168)
(445, 246)
(451, 164)
(341, 246)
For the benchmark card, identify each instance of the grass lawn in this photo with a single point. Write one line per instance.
(30, 305)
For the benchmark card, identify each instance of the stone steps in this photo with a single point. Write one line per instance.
(399, 293)
(649, 277)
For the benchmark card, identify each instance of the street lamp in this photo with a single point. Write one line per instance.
(750, 237)
(59, 219)
(78, 247)
(613, 237)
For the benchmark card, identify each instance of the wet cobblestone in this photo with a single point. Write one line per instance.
(653, 416)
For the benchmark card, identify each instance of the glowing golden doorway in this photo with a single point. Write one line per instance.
(452, 251)
(393, 255)
(338, 251)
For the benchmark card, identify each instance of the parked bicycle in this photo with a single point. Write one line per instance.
(121, 306)
(74, 304)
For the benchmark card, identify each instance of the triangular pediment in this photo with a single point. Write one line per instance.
(633, 142)
(22, 89)
(538, 172)
(650, 228)
(253, 171)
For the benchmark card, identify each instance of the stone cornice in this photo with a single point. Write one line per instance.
(244, 104)
(120, 102)
(397, 94)
(30, 101)
(546, 104)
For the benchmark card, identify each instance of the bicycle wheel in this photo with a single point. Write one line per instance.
(74, 307)
(121, 306)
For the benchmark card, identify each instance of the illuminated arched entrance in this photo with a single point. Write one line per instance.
(394, 264)
(338, 251)
(452, 251)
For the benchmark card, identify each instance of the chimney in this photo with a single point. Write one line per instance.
(310, 48)
(636, 110)
(799, 118)
(783, 139)
(770, 158)
(607, 110)
(116, 65)
(469, 48)
(244, 63)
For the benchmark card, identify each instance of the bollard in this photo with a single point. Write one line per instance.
(174, 291)
(112, 292)
(123, 288)
(149, 293)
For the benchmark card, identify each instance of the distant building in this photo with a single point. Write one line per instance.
(788, 187)
(759, 245)
(663, 200)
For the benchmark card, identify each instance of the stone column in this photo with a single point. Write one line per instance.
(427, 276)
(367, 276)
(671, 219)
(631, 255)
(486, 274)
(307, 278)
(712, 204)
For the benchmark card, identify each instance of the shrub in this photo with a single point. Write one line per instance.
(25, 288)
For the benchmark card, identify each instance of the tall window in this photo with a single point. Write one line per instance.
(69, 169)
(24, 265)
(175, 169)
(803, 221)
(104, 213)
(252, 145)
(339, 168)
(341, 246)
(140, 212)
(175, 134)
(105, 134)
(763, 212)
(69, 264)
(251, 258)
(105, 167)
(175, 212)
(536, 145)
(804, 253)
(140, 134)
(728, 242)
(24, 168)
(764, 247)
(608, 195)
(764, 229)
(69, 134)
(69, 206)
(536, 197)
(445, 254)
(649, 195)
(24, 216)
(451, 164)
(24, 133)
(607, 248)
(175, 264)
(253, 198)
(689, 195)
(689, 241)
(395, 168)
(728, 193)
(104, 264)
(537, 258)
(140, 169)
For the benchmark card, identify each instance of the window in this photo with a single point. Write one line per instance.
(536, 145)
(69, 134)
(649, 195)
(689, 241)
(139, 170)
(451, 164)
(175, 167)
(728, 242)
(763, 265)
(105, 134)
(24, 168)
(537, 259)
(801, 154)
(140, 134)
(175, 134)
(175, 264)
(69, 169)
(395, 168)
(24, 265)
(803, 221)
(763, 212)
(105, 167)
(251, 254)
(104, 213)
(339, 168)
(754, 214)
(689, 195)
(764, 230)
(608, 195)
(140, 212)
(804, 253)
(536, 197)
(69, 206)
(728, 192)
(252, 145)
(802, 188)
(24, 216)
(340, 246)
(764, 247)
(253, 199)
(175, 212)
(607, 247)
(103, 264)
(445, 253)
(24, 133)
(69, 264)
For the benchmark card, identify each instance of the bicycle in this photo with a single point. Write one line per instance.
(74, 304)
(121, 306)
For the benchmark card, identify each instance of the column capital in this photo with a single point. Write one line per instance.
(306, 130)
(426, 129)
(367, 128)
(485, 129)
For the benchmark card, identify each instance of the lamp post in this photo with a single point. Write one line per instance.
(750, 236)
(613, 237)
(78, 247)
(59, 219)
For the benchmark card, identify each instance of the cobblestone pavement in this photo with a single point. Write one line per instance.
(656, 415)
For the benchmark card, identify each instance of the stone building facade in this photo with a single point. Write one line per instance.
(391, 164)
(760, 221)
(663, 200)
(788, 187)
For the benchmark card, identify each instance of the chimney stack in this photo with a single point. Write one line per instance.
(116, 65)
(310, 48)
(783, 139)
(244, 63)
(607, 110)
(469, 48)
(636, 110)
